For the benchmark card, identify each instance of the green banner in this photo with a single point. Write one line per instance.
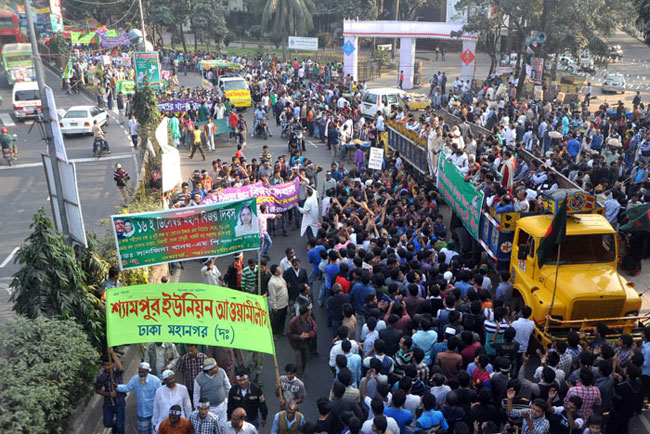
(147, 67)
(191, 313)
(127, 87)
(462, 197)
(186, 233)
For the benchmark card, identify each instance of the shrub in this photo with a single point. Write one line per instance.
(46, 366)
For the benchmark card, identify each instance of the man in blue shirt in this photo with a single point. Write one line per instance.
(430, 420)
(145, 385)
(359, 292)
(402, 416)
(597, 140)
(425, 338)
(313, 255)
(573, 146)
(331, 270)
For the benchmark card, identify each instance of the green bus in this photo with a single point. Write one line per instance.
(18, 62)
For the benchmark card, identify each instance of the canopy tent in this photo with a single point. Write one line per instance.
(218, 63)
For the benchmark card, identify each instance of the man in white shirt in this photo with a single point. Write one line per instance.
(524, 328)
(210, 272)
(379, 122)
(342, 334)
(167, 396)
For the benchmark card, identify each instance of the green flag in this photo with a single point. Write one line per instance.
(639, 219)
(555, 235)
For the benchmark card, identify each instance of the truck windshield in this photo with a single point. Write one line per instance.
(235, 85)
(585, 249)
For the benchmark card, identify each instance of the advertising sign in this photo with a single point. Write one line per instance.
(191, 313)
(147, 67)
(159, 237)
(127, 87)
(462, 197)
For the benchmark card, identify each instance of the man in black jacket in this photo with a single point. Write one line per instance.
(296, 278)
(391, 336)
(248, 396)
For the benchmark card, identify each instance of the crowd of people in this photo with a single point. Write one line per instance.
(424, 338)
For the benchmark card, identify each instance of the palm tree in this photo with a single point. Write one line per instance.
(287, 17)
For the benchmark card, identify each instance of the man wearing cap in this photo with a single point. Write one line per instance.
(171, 395)
(203, 421)
(250, 397)
(175, 423)
(145, 385)
(238, 424)
(213, 384)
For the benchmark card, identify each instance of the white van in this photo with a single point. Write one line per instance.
(26, 99)
(383, 98)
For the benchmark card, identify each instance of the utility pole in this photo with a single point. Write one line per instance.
(47, 123)
(144, 32)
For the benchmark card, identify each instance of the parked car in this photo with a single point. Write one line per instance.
(614, 82)
(79, 119)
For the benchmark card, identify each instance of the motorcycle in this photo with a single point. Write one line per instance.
(587, 69)
(8, 154)
(100, 146)
(297, 140)
(260, 130)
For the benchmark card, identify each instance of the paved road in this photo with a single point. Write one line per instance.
(24, 189)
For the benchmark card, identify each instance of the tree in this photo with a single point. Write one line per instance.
(487, 25)
(208, 21)
(288, 17)
(50, 282)
(46, 367)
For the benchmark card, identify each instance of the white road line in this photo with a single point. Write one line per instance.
(9, 258)
(76, 160)
(312, 143)
(6, 120)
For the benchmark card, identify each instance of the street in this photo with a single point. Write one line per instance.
(25, 191)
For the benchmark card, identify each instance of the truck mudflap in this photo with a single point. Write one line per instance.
(558, 330)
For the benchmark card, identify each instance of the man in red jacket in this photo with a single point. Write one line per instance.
(302, 328)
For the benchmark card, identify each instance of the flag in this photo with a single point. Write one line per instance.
(638, 219)
(555, 235)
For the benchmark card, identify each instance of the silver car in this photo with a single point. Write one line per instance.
(614, 83)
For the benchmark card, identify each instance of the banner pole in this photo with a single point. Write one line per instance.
(258, 355)
(557, 269)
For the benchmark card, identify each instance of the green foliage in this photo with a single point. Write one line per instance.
(46, 366)
(324, 40)
(381, 56)
(282, 18)
(59, 45)
(208, 21)
(91, 262)
(51, 282)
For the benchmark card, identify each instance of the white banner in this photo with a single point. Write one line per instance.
(376, 158)
(171, 169)
(300, 43)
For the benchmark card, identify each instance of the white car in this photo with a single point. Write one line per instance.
(614, 82)
(79, 119)
(374, 100)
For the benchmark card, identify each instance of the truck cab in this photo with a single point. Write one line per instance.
(589, 286)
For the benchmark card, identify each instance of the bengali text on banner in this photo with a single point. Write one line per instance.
(278, 198)
(195, 232)
(191, 313)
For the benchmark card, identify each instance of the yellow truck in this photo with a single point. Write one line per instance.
(589, 288)
(225, 75)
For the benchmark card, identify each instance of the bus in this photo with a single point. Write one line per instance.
(18, 62)
(9, 28)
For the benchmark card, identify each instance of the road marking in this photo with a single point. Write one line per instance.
(76, 160)
(9, 258)
(6, 120)
(312, 143)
